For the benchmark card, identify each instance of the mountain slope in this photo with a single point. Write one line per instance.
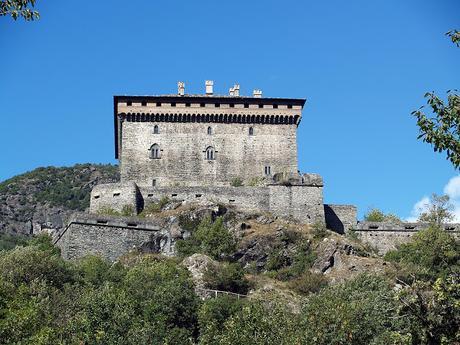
(42, 199)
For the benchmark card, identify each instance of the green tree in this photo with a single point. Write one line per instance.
(19, 8)
(376, 215)
(442, 128)
(226, 277)
(360, 311)
(430, 254)
(438, 211)
(258, 324)
(434, 310)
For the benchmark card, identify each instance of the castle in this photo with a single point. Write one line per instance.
(227, 149)
(230, 149)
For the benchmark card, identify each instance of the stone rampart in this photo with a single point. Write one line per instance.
(116, 197)
(340, 218)
(387, 236)
(111, 237)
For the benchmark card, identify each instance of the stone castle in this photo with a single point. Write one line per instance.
(231, 149)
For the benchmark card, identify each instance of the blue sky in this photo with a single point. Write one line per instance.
(362, 65)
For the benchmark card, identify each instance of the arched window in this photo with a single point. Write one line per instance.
(156, 130)
(155, 152)
(251, 131)
(210, 153)
(209, 130)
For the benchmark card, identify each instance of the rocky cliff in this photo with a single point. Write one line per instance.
(42, 199)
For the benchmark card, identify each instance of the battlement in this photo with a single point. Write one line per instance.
(385, 236)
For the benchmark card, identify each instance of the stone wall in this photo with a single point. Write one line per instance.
(304, 203)
(183, 152)
(387, 236)
(249, 199)
(340, 218)
(115, 196)
(110, 237)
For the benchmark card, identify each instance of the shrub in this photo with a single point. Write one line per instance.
(128, 211)
(355, 312)
(376, 215)
(236, 182)
(156, 207)
(319, 231)
(226, 277)
(430, 254)
(108, 211)
(308, 282)
(8, 242)
(215, 240)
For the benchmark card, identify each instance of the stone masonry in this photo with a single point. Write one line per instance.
(233, 150)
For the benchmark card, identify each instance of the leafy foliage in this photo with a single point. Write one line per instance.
(19, 8)
(68, 187)
(376, 215)
(211, 238)
(431, 253)
(454, 36)
(438, 211)
(442, 128)
(45, 300)
(356, 312)
(8, 242)
(226, 277)
(434, 310)
(236, 182)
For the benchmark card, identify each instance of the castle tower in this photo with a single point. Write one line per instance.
(205, 140)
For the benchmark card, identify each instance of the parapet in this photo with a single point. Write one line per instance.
(340, 218)
(119, 197)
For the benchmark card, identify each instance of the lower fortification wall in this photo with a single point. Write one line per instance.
(387, 236)
(340, 218)
(110, 237)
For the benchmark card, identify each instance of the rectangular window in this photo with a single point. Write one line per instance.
(187, 105)
(232, 105)
(129, 103)
(116, 194)
(246, 105)
(173, 104)
(197, 195)
(173, 194)
(158, 104)
(202, 105)
(275, 106)
(217, 105)
(154, 182)
(267, 170)
(261, 105)
(144, 104)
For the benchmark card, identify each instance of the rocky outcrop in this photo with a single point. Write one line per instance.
(43, 200)
(197, 264)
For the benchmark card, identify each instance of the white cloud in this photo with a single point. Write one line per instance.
(419, 207)
(452, 189)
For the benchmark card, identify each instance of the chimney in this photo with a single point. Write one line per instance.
(257, 93)
(180, 88)
(236, 90)
(231, 91)
(209, 84)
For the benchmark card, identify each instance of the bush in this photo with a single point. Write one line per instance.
(236, 182)
(319, 231)
(431, 253)
(355, 312)
(8, 242)
(128, 211)
(211, 238)
(376, 215)
(226, 277)
(308, 282)
(213, 314)
(257, 324)
(156, 207)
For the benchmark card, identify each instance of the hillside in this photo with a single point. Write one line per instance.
(42, 199)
